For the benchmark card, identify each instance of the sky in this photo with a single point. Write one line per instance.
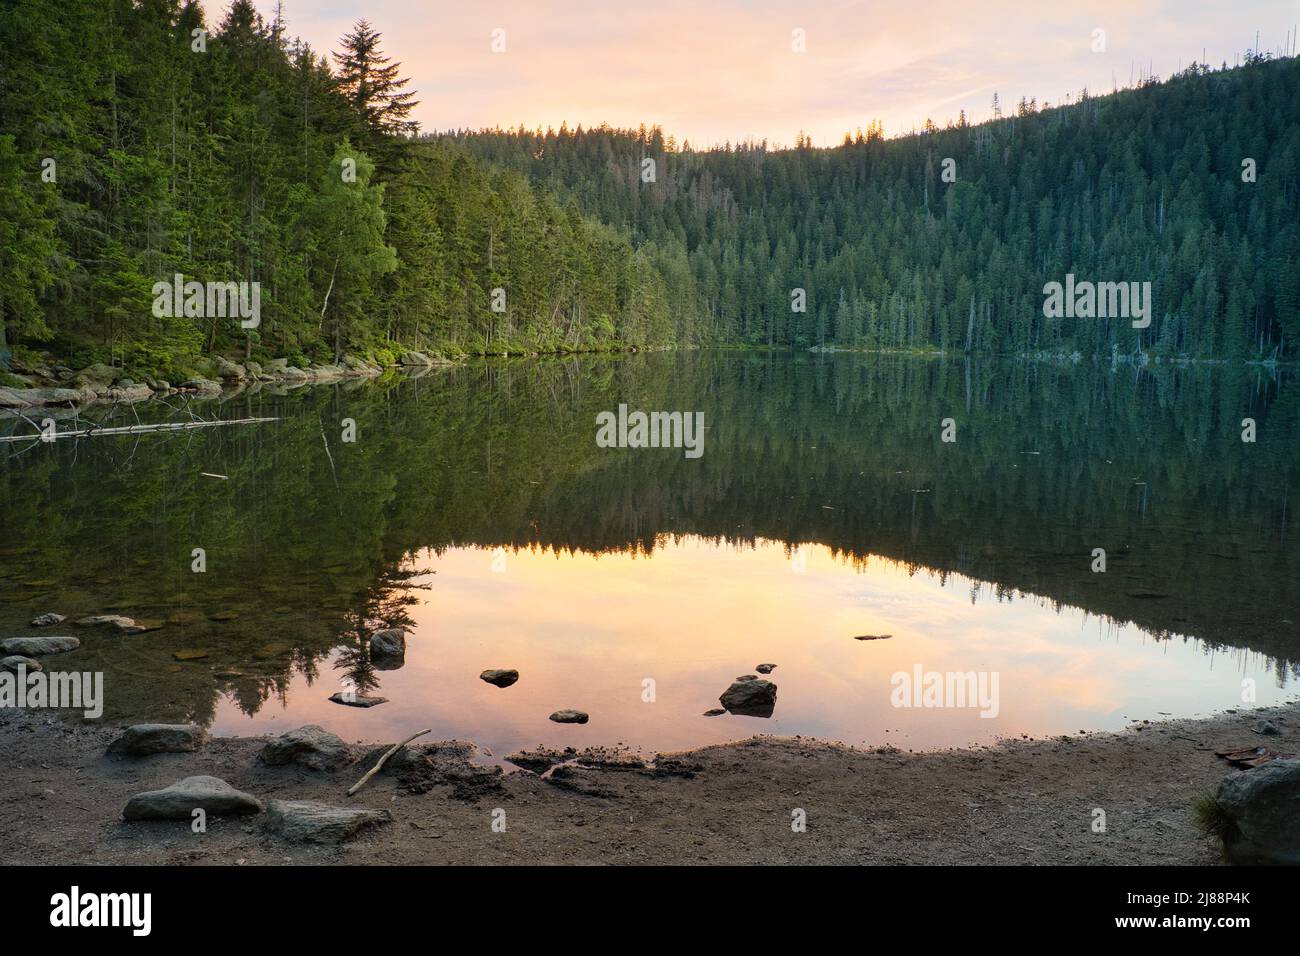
(714, 71)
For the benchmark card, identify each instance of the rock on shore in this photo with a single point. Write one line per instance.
(141, 740)
(311, 746)
(1263, 804)
(179, 801)
(306, 821)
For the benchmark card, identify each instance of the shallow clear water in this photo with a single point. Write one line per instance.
(476, 507)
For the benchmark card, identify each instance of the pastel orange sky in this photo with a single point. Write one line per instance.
(724, 70)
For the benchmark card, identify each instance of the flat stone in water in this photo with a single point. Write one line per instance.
(189, 655)
(873, 637)
(38, 646)
(179, 801)
(141, 740)
(46, 620)
(356, 700)
(715, 712)
(569, 717)
(117, 621)
(501, 678)
(306, 821)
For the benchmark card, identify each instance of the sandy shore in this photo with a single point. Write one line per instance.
(61, 801)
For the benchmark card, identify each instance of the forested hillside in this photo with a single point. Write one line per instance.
(1139, 185)
(138, 142)
(133, 148)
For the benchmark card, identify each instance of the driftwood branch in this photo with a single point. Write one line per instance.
(383, 760)
(136, 429)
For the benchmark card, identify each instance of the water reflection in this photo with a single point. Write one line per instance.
(642, 564)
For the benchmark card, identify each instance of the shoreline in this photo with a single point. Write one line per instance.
(1016, 802)
(237, 377)
(233, 379)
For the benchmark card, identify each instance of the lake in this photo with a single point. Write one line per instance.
(476, 508)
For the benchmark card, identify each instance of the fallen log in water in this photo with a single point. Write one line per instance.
(133, 429)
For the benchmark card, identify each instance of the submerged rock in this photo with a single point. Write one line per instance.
(38, 646)
(570, 717)
(142, 740)
(312, 747)
(179, 801)
(15, 661)
(46, 620)
(750, 697)
(124, 625)
(306, 821)
(501, 678)
(1263, 805)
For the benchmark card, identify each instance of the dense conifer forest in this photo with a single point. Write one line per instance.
(139, 141)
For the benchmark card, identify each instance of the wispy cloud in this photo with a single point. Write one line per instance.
(725, 70)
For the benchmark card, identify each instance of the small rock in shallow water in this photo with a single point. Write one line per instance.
(189, 655)
(306, 821)
(144, 739)
(388, 649)
(873, 637)
(117, 621)
(501, 678)
(750, 698)
(357, 700)
(45, 620)
(179, 801)
(569, 717)
(38, 646)
(1267, 728)
(312, 747)
(765, 668)
(715, 712)
(12, 664)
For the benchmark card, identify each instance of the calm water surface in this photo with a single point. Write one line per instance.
(476, 508)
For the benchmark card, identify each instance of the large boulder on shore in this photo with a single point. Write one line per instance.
(141, 740)
(1263, 804)
(38, 646)
(179, 801)
(306, 821)
(311, 746)
(750, 696)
